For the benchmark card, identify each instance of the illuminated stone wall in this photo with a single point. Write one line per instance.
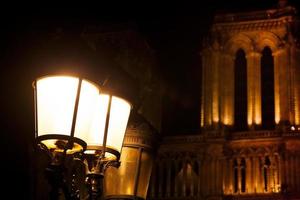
(223, 163)
(251, 32)
(210, 167)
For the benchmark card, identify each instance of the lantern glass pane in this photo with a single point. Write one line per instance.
(89, 110)
(55, 104)
(120, 181)
(145, 173)
(119, 114)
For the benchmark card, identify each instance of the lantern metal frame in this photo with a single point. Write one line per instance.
(95, 163)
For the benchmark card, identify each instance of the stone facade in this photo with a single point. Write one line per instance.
(255, 163)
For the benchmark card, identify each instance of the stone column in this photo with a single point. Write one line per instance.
(271, 177)
(254, 88)
(176, 166)
(248, 175)
(218, 174)
(280, 171)
(287, 170)
(259, 181)
(281, 87)
(208, 185)
(184, 179)
(200, 178)
(276, 174)
(213, 176)
(168, 180)
(225, 176)
(207, 87)
(192, 186)
(297, 173)
(239, 175)
(255, 174)
(293, 88)
(215, 88)
(296, 67)
(227, 88)
(293, 174)
(230, 180)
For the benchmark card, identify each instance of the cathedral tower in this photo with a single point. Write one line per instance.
(249, 147)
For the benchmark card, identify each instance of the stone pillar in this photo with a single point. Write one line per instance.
(213, 176)
(280, 171)
(287, 170)
(208, 177)
(225, 173)
(160, 178)
(281, 87)
(217, 179)
(254, 88)
(239, 175)
(293, 89)
(297, 173)
(176, 166)
(168, 178)
(215, 88)
(200, 178)
(207, 87)
(271, 177)
(255, 174)
(227, 88)
(231, 181)
(192, 178)
(293, 174)
(184, 179)
(296, 66)
(276, 169)
(259, 177)
(248, 175)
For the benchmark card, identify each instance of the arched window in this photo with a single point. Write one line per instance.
(267, 89)
(243, 175)
(240, 91)
(236, 175)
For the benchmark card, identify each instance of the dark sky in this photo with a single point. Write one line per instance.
(173, 30)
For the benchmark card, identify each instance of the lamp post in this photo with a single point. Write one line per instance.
(76, 118)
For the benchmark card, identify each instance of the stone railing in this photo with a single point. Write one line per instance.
(183, 139)
(175, 198)
(256, 15)
(255, 134)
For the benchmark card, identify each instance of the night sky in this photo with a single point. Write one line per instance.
(173, 30)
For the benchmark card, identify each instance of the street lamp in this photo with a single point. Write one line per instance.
(77, 118)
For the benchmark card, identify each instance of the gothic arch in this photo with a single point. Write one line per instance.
(261, 151)
(269, 39)
(239, 41)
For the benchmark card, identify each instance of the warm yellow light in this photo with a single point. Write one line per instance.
(249, 117)
(55, 104)
(56, 98)
(257, 120)
(277, 109)
(257, 114)
(88, 109)
(118, 118)
(228, 121)
(119, 114)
